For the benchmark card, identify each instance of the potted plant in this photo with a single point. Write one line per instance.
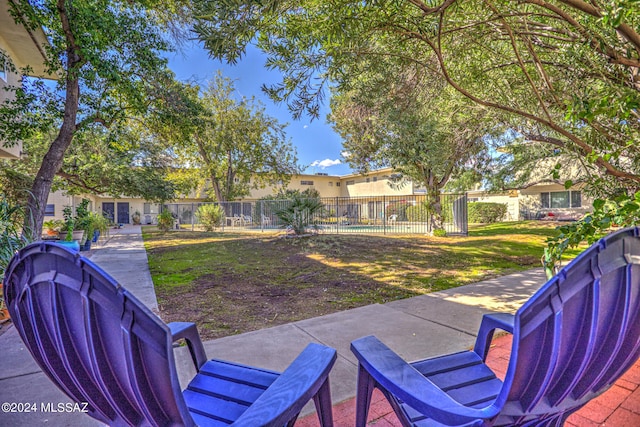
(4, 312)
(53, 227)
(71, 230)
(94, 224)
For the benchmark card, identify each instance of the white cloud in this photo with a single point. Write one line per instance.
(345, 154)
(305, 126)
(323, 164)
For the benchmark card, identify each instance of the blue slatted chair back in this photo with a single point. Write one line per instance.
(577, 335)
(94, 339)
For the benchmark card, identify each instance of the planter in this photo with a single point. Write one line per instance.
(73, 245)
(96, 236)
(77, 235)
(86, 246)
(4, 315)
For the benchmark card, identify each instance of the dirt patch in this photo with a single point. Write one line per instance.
(233, 300)
(230, 284)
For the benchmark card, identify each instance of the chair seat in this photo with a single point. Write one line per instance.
(463, 376)
(222, 391)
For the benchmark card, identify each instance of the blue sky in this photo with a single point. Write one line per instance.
(318, 146)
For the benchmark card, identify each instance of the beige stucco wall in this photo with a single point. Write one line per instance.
(373, 184)
(530, 199)
(60, 199)
(326, 185)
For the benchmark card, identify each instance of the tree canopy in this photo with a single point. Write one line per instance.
(558, 72)
(232, 143)
(108, 56)
(394, 117)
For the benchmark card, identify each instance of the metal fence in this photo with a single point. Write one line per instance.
(380, 214)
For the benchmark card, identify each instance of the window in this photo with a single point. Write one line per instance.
(337, 184)
(375, 179)
(306, 182)
(150, 208)
(544, 199)
(576, 199)
(368, 179)
(561, 199)
(330, 184)
(351, 182)
(50, 210)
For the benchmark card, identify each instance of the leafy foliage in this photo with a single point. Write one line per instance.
(234, 142)
(107, 57)
(486, 213)
(622, 211)
(562, 73)
(210, 216)
(12, 237)
(417, 213)
(299, 214)
(165, 220)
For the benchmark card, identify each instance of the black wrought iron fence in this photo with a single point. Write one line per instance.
(412, 214)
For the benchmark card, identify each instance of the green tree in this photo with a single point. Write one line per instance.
(234, 142)
(427, 134)
(119, 161)
(108, 56)
(559, 72)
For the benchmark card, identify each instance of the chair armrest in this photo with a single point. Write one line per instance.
(189, 332)
(491, 322)
(401, 379)
(287, 395)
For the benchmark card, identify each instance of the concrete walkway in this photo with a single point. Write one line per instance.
(418, 327)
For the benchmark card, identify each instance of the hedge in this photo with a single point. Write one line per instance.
(480, 212)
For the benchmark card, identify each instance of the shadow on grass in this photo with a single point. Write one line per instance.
(233, 283)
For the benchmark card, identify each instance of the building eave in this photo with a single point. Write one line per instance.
(26, 47)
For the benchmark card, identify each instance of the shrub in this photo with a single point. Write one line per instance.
(439, 232)
(480, 212)
(210, 216)
(165, 220)
(12, 237)
(300, 214)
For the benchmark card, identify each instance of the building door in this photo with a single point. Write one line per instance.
(108, 210)
(123, 213)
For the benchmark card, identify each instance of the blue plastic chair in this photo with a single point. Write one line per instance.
(571, 341)
(100, 345)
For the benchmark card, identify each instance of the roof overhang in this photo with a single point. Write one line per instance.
(24, 46)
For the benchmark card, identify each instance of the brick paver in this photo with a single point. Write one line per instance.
(617, 407)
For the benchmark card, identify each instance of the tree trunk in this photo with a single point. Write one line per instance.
(435, 209)
(217, 190)
(52, 162)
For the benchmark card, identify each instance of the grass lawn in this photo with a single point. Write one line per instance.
(230, 283)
